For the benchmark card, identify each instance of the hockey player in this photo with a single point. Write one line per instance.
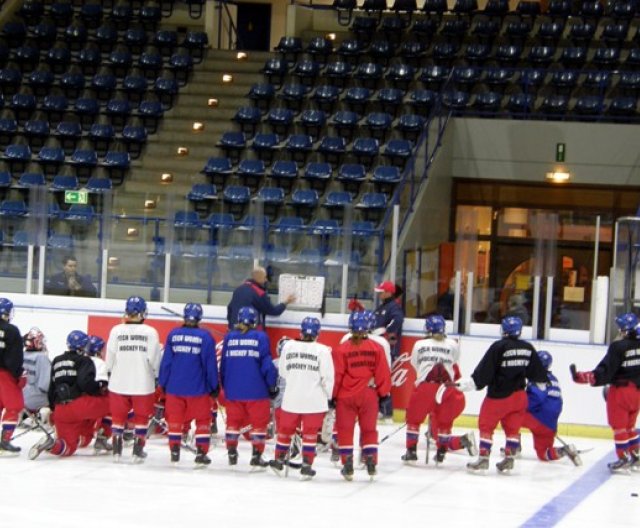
(435, 360)
(75, 396)
(94, 350)
(37, 367)
(249, 379)
(11, 380)
(133, 359)
(189, 378)
(544, 405)
(307, 369)
(504, 370)
(362, 378)
(620, 368)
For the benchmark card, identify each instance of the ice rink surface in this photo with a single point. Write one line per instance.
(92, 491)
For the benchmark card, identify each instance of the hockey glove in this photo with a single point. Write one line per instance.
(384, 400)
(331, 403)
(466, 384)
(273, 392)
(586, 378)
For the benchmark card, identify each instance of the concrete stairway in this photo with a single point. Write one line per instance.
(176, 130)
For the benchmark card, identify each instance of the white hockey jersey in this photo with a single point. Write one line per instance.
(133, 358)
(428, 352)
(101, 369)
(378, 339)
(307, 370)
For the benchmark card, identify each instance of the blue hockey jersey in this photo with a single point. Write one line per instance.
(189, 366)
(545, 404)
(246, 368)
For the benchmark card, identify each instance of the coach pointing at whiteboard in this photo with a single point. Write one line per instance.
(252, 292)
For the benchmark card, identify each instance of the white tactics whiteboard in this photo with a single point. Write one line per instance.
(308, 290)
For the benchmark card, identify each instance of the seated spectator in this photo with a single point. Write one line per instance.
(69, 282)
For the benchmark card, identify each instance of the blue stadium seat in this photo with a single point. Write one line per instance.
(319, 48)
(411, 126)
(378, 124)
(390, 99)
(51, 159)
(30, 179)
(445, 53)
(528, 8)
(248, 117)
(165, 40)
(345, 123)
(541, 55)
(181, 64)
(369, 74)
(606, 57)
(80, 216)
(623, 108)
(336, 202)
(262, 94)
(103, 84)
(318, 175)
(251, 173)
(196, 42)
(313, 122)
(581, 34)
(274, 70)
(633, 58)
(87, 108)
(220, 225)
(325, 230)
(554, 106)
(423, 101)
(517, 31)
(72, 83)
(203, 196)
(364, 27)
(106, 36)
(116, 164)
(218, 170)
(304, 203)
(134, 138)
(135, 38)
(289, 48)
(589, 106)
(266, 146)
(122, 14)
(357, 99)
(98, 185)
(280, 120)
(232, 144)
(487, 103)
(350, 50)
(373, 205)
(187, 225)
(591, 10)
(352, 176)
(236, 198)
(150, 112)
(118, 110)
(61, 12)
(288, 225)
(299, 147)
(10, 80)
(326, 97)
(434, 76)
(332, 149)
(14, 32)
(294, 96)
(84, 161)
(564, 81)
(64, 182)
(17, 156)
(398, 151)
(629, 83)
(54, 106)
(559, 9)
(477, 53)
(365, 150)
(285, 174)
(597, 81)
(26, 57)
(8, 130)
(381, 51)
(412, 52)
(36, 131)
(385, 179)
(150, 15)
(150, 63)
(435, 8)
(306, 71)
(23, 105)
(41, 80)
(166, 88)
(102, 136)
(520, 103)
(272, 199)
(550, 32)
(338, 73)
(508, 54)
(89, 59)
(91, 15)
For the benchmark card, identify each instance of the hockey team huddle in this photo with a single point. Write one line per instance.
(97, 391)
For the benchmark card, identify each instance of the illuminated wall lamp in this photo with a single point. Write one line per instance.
(198, 126)
(212, 102)
(166, 177)
(242, 56)
(113, 262)
(227, 78)
(183, 151)
(330, 36)
(149, 204)
(132, 232)
(558, 177)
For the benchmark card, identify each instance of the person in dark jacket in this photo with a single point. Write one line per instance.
(249, 378)
(620, 367)
(11, 380)
(252, 292)
(69, 281)
(75, 396)
(504, 370)
(189, 377)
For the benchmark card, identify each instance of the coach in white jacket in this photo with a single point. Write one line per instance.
(133, 360)
(307, 369)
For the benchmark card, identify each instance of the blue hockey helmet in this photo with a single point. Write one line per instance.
(545, 358)
(6, 307)
(310, 327)
(371, 319)
(435, 324)
(248, 316)
(192, 312)
(95, 345)
(511, 326)
(77, 341)
(627, 322)
(358, 322)
(136, 306)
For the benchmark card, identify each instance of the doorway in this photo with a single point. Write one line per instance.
(254, 26)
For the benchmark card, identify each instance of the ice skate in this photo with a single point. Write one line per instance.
(117, 443)
(347, 469)
(468, 441)
(277, 465)
(635, 461)
(505, 465)
(410, 456)
(232, 454)
(481, 464)
(371, 467)
(335, 454)
(257, 463)
(128, 436)
(571, 452)
(306, 471)
(517, 452)
(44, 444)
(175, 454)
(621, 465)
(101, 445)
(139, 454)
(201, 460)
(8, 449)
(438, 458)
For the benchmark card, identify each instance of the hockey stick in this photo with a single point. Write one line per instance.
(173, 312)
(428, 439)
(384, 439)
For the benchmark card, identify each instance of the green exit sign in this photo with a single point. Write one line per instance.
(561, 151)
(76, 197)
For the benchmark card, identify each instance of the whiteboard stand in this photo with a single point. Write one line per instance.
(309, 290)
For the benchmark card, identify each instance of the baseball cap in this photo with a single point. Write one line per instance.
(386, 286)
